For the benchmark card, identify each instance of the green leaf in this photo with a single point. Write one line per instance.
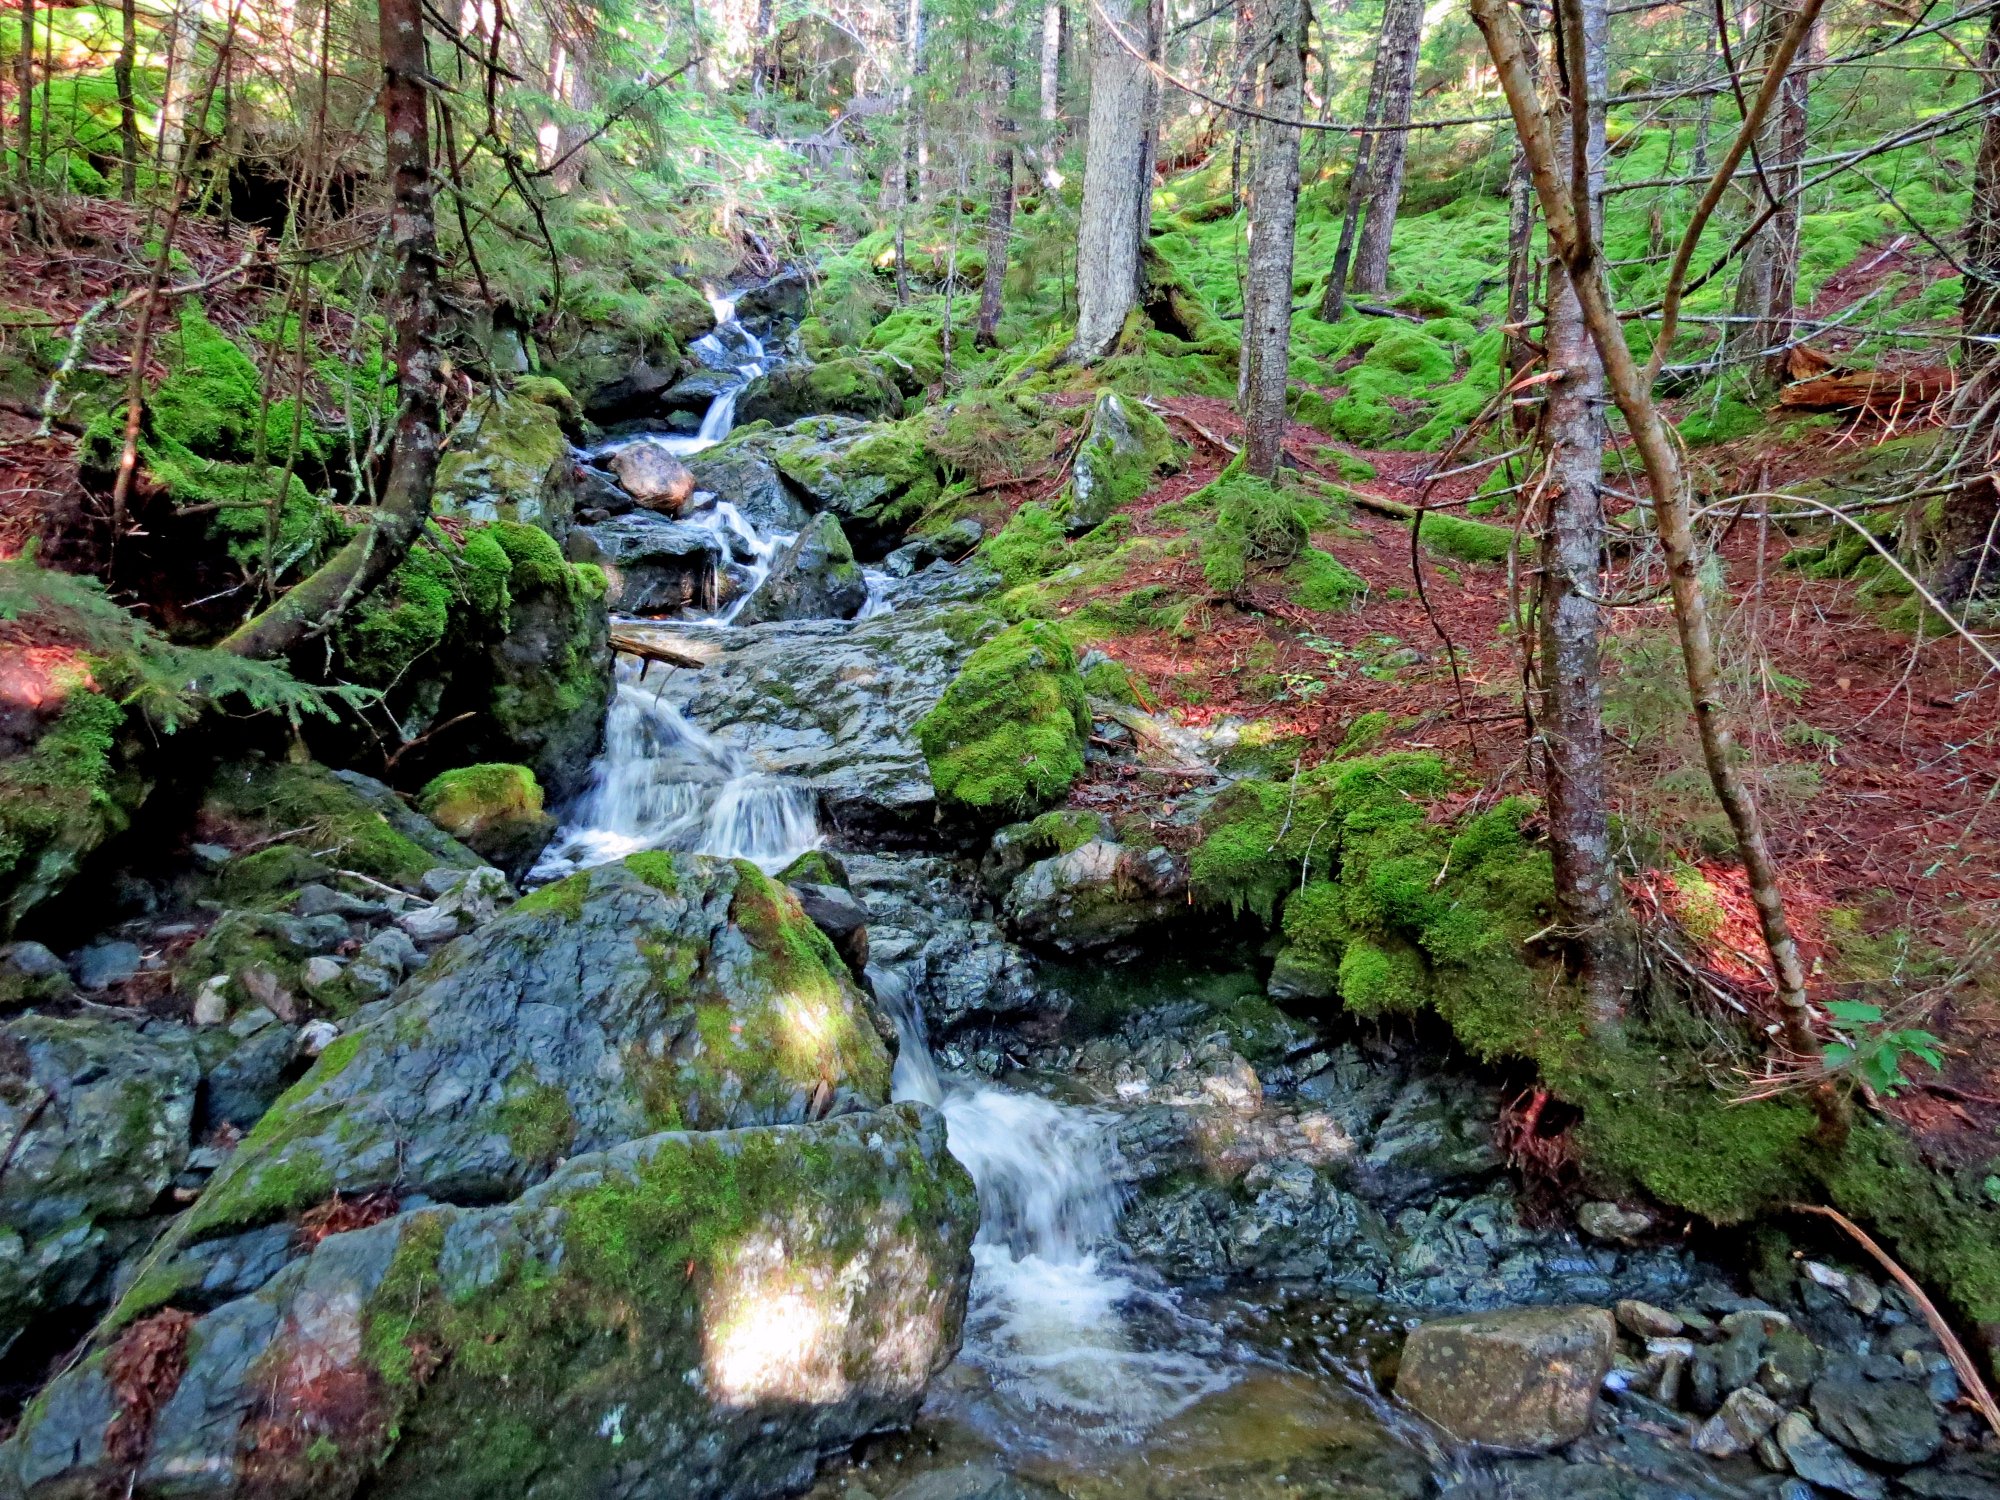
(1854, 1012)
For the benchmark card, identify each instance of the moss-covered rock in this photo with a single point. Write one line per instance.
(718, 1308)
(1125, 446)
(66, 785)
(878, 478)
(494, 809)
(1007, 737)
(508, 460)
(850, 387)
(350, 820)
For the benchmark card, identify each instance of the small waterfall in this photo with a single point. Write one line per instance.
(1052, 1320)
(662, 783)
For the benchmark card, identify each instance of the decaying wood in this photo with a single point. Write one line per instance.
(669, 650)
(1881, 391)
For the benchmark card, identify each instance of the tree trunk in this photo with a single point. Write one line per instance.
(1243, 64)
(1570, 625)
(1402, 32)
(128, 111)
(311, 606)
(1267, 287)
(184, 40)
(1630, 388)
(1000, 198)
(1107, 241)
(1333, 300)
(1156, 49)
(1051, 80)
(760, 69)
(1785, 171)
(24, 86)
(1964, 556)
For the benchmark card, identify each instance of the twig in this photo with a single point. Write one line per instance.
(1961, 1362)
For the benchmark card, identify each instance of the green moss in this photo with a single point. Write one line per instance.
(656, 868)
(444, 591)
(1320, 581)
(60, 799)
(314, 806)
(1411, 352)
(1031, 545)
(475, 796)
(1110, 680)
(536, 1118)
(1719, 421)
(815, 867)
(1376, 979)
(566, 896)
(1007, 737)
(266, 874)
(1467, 541)
(1365, 733)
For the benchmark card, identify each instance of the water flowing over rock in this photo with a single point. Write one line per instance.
(753, 485)
(814, 578)
(875, 476)
(652, 566)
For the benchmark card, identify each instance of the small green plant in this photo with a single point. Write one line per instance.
(1872, 1051)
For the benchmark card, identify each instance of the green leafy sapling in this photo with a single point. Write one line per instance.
(1873, 1052)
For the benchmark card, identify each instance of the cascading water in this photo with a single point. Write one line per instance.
(1053, 1321)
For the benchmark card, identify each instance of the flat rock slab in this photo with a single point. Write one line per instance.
(1521, 1378)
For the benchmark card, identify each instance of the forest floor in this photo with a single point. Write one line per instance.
(1879, 759)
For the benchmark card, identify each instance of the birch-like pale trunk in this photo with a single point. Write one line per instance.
(1051, 82)
(1107, 241)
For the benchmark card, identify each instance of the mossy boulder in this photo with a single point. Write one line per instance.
(494, 809)
(658, 993)
(711, 1311)
(850, 387)
(815, 578)
(877, 477)
(507, 459)
(623, 353)
(1098, 896)
(341, 817)
(66, 782)
(1006, 739)
(1125, 446)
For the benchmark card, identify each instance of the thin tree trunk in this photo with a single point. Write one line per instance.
(128, 111)
(1630, 388)
(313, 604)
(1571, 710)
(1965, 543)
(910, 150)
(1402, 32)
(1051, 81)
(24, 86)
(183, 42)
(1242, 87)
(1333, 300)
(1000, 198)
(1789, 132)
(1520, 272)
(1107, 241)
(760, 69)
(1156, 45)
(1267, 287)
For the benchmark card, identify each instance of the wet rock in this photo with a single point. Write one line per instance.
(1737, 1361)
(782, 299)
(428, 926)
(495, 810)
(102, 965)
(846, 1228)
(1789, 1366)
(1746, 1417)
(316, 900)
(877, 477)
(1099, 895)
(751, 483)
(1645, 1321)
(652, 475)
(508, 460)
(832, 706)
(96, 1114)
(568, 1024)
(1431, 1138)
(1861, 1294)
(815, 578)
(1960, 1476)
(30, 974)
(948, 544)
(973, 1482)
(1526, 1378)
(851, 387)
(696, 391)
(652, 566)
(1612, 1223)
(1891, 1421)
(252, 1062)
(1818, 1461)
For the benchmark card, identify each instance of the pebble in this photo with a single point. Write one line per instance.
(391, 950)
(1816, 1459)
(1612, 1223)
(1645, 1321)
(324, 900)
(102, 965)
(32, 960)
(1745, 1417)
(211, 856)
(320, 972)
(1863, 1295)
(442, 881)
(211, 1001)
(429, 925)
(315, 1036)
(261, 983)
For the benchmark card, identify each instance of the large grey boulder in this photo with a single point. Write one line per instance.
(687, 1316)
(652, 475)
(1117, 458)
(752, 484)
(664, 992)
(850, 387)
(876, 476)
(1890, 1421)
(1523, 1378)
(831, 705)
(652, 566)
(1098, 896)
(96, 1114)
(815, 578)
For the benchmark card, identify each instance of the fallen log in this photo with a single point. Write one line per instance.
(668, 650)
(1884, 392)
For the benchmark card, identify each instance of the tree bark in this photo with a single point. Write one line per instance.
(1965, 548)
(1051, 81)
(1569, 622)
(1156, 49)
(760, 69)
(1107, 241)
(1333, 300)
(313, 604)
(128, 110)
(24, 86)
(1267, 287)
(1631, 389)
(1396, 61)
(999, 199)
(183, 42)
